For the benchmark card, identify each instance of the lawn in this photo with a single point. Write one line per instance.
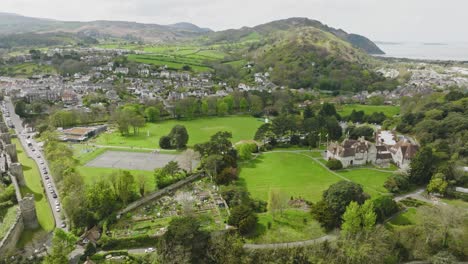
(92, 174)
(292, 225)
(292, 173)
(199, 130)
(407, 218)
(8, 220)
(372, 180)
(388, 110)
(171, 62)
(34, 186)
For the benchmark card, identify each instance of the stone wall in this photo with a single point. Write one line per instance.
(11, 151)
(8, 243)
(16, 171)
(160, 193)
(28, 209)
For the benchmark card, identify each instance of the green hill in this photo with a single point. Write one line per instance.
(264, 30)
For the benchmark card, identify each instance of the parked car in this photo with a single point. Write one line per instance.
(54, 195)
(149, 250)
(63, 225)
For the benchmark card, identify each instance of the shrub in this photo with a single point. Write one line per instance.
(334, 164)
(128, 242)
(243, 218)
(165, 142)
(396, 183)
(226, 176)
(384, 207)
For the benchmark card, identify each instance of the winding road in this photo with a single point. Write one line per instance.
(38, 157)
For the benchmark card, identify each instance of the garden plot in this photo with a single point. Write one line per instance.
(134, 160)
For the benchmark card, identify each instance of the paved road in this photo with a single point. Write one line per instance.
(38, 157)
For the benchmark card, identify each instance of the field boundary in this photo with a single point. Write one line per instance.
(159, 193)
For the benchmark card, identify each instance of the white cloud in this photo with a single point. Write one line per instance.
(391, 20)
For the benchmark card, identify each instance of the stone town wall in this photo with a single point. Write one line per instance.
(26, 211)
(8, 243)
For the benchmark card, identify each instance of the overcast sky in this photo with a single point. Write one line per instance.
(384, 20)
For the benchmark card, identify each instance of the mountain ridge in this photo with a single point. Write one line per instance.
(155, 33)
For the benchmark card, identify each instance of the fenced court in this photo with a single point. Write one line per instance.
(133, 160)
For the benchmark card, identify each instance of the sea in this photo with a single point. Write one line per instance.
(425, 51)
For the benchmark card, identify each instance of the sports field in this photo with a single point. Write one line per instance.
(298, 174)
(199, 130)
(388, 110)
(292, 173)
(132, 160)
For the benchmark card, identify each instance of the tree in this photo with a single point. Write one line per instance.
(340, 194)
(171, 168)
(243, 218)
(368, 216)
(183, 242)
(308, 112)
(328, 110)
(125, 186)
(421, 166)
(219, 144)
(226, 176)
(277, 202)
(179, 137)
(352, 220)
(334, 164)
(225, 248)
(245, 150)
(396, 183)
(142, 183)
(222, 108)
(20, 108)
(152, 114)
(101, 199)
(384, 207)
(63, 244)
(438, 184)
(137, 122)
(165, 142)
(324, 215)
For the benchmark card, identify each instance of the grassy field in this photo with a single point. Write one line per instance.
(34, 186)
(174, 57)
(27, 69)
(8, 219)
(199, 130)
(388, 110)
(92, 174)
(296, 174)
(371, 180)
(293, 174)
(407, 218)
(292, 225)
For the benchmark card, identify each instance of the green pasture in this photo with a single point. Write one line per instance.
(199, 130)
(388, 110)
